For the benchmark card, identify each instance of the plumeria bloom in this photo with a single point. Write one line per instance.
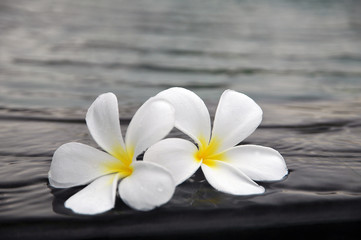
(142, 185)
(227, 167)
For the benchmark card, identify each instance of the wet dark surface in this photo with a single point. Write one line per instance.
(299, 60)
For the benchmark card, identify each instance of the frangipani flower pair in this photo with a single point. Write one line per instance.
(144, 185)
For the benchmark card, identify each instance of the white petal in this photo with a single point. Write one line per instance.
(192, 116)
(149, 186)
(176, 155)
(257, 162)
(97, 197)
(76, 164)
(237, 116)
(152, 122)
(102, 119)
(226, 178)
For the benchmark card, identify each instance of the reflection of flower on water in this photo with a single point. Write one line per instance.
(227, 167)
(143, 186)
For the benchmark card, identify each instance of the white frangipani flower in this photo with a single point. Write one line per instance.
(142, 185)
(227, 167)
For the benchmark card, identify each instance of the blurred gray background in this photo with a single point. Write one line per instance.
(62, 54)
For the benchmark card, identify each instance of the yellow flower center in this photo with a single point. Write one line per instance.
(123, 166)
(208, 152)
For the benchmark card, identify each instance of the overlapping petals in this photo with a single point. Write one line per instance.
(149, 186)
(152, 122)
(191, 115)
(176, 155)
(227, 168)
(142, 186)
